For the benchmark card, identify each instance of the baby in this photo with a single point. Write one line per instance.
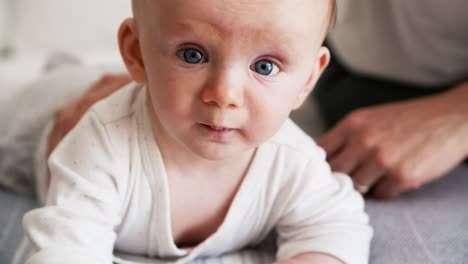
(198, 157)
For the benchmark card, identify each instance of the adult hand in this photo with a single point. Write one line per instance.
(67, 117)
(398, 147)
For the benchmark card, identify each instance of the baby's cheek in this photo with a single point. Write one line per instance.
(266, 125)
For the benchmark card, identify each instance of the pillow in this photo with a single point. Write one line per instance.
(66, 25)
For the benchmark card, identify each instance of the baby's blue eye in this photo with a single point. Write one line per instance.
(265, 67)
(191, 55)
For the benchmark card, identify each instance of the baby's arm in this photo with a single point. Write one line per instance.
(323, 219)
(82, 210)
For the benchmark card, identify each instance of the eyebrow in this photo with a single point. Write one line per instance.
(189, 28)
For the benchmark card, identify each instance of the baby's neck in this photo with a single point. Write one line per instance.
(190, 165)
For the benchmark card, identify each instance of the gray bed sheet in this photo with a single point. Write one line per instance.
(12, 208)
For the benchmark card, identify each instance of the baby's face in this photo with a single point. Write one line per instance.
(223, 76)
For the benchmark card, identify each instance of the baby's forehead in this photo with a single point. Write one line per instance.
(280, 15)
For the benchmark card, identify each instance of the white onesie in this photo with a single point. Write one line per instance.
(109, 192)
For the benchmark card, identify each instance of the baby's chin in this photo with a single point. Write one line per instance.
(219, 152)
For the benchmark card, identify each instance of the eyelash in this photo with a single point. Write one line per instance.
(183, 56)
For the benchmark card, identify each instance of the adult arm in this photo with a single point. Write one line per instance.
(398, 147)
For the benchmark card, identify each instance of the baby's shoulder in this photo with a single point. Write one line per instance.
(291, 156)
(293, 164)
(291, 139)
(120, 104)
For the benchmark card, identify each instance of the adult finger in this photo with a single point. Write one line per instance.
(347, 159)
(359, 147)
(333, 140)
(377, 163)
(366, 175)
(386, 188)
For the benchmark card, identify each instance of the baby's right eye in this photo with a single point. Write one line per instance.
(191, 56)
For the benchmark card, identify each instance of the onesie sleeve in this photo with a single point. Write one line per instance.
(82, 209)
(323, 213)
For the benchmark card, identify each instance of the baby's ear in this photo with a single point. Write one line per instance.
(320, 64)
(130, 50)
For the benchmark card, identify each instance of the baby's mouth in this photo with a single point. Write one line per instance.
(217, 129)
(220, 129)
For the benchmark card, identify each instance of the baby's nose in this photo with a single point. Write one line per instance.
(224, 90)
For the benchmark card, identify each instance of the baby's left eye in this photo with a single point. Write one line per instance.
(265, 67)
